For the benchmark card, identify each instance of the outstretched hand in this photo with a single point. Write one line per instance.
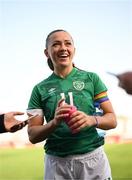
(11, 123)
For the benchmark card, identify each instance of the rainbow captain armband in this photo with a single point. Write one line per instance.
(102, 97)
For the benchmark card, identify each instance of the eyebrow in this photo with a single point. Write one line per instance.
(64, 40)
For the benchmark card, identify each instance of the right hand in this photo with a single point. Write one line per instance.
(62, 111)
(11, 123)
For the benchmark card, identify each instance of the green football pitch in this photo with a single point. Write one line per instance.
(27, 163)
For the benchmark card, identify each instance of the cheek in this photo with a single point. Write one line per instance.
(53, 52)
(72, 55)
(72, 52)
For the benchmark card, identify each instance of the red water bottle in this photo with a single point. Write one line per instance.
(72, 110)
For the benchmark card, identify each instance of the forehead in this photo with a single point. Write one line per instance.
(60, 36)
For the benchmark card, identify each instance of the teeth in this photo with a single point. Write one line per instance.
(63, 56)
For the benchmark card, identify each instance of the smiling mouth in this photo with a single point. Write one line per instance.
(63, 56)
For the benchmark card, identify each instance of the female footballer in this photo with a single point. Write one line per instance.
(65, 100)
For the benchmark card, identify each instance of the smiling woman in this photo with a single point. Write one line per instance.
(66, 100)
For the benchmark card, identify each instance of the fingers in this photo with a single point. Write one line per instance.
(19, 126)
(17, 113)
(61, 102)
(62, 116)
(25, 123)
(78, 121)
(62, 108)
(16, 127)
(62, 112)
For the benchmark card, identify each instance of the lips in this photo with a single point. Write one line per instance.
(63, 56)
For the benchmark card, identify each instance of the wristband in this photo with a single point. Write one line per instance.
(97, 122)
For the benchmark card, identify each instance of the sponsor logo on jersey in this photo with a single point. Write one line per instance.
(78, 85)
(52, 90)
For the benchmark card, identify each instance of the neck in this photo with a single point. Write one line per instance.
(63, 71)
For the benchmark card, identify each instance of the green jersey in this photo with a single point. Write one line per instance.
(79, 87)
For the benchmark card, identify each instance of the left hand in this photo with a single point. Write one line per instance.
(80, 120)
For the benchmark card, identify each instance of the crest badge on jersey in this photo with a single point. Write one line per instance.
(78, 85)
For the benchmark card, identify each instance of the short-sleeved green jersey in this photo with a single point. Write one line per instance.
(83, 87)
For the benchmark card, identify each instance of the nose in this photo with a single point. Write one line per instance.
(63, 47)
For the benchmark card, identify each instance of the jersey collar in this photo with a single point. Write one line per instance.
(68, 76)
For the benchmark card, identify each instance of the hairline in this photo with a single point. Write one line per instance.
(52, 32)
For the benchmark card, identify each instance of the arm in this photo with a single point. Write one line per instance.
(108, 120)
(38, 131)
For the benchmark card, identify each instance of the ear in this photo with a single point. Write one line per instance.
(46, 53)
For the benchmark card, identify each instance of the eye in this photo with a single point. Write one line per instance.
(68, 43)
(55, 44)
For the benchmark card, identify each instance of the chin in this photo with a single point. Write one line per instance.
(64, 64)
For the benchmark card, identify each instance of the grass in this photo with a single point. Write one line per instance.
(120, 157)
(21, 164)
(27, 164)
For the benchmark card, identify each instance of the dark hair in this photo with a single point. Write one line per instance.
(52, 32)
(50, 64)
(49, 61)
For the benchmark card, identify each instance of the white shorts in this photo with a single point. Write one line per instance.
(89, 166)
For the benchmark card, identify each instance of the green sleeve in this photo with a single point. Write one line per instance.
(99, 86)
(35, 99)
